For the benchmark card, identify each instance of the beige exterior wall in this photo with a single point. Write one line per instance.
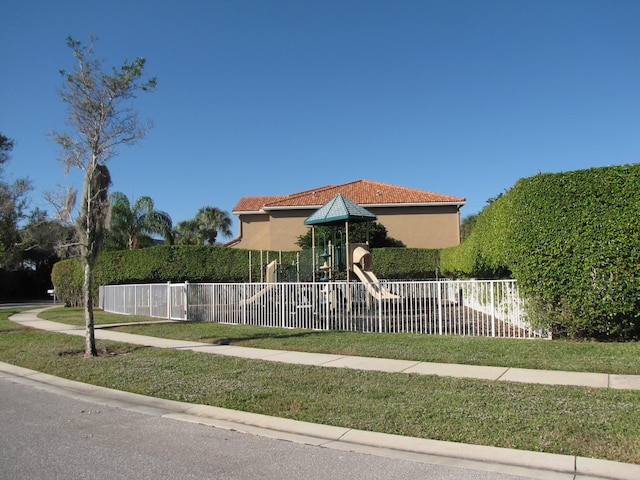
(286, 227)
(254, 230)
(416, 227)
(422, 227)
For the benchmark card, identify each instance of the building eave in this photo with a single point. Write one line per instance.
(249, 212)
(365, 205)
(414, 204)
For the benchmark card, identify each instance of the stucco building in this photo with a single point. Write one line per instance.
(417, 218)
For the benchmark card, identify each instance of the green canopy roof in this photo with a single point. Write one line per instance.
(339, 210)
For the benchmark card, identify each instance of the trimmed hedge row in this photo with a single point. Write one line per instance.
(213, 264)
(572, 240)
(485, 253)
(67, 278)
(405, 263)
(177, 263)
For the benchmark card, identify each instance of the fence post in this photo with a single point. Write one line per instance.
(439, 307)
(169, 300)
(282, 295)
(185, 300)
(379, 307)
(243, 303)
(493, 309)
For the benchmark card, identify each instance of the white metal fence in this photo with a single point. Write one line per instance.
(485, 308)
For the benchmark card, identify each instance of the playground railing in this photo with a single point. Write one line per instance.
(445, 307)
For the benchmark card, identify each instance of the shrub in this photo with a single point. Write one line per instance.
(405, 263)
(572, 240)
(577, 250)
(203, 264)
(67, 278)
(486, 251)
(177, 263)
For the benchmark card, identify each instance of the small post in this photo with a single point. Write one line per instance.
(169, 300)
(438, 285)
(493, 309)
(185, 300)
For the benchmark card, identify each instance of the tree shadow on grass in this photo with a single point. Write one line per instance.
(258, 337)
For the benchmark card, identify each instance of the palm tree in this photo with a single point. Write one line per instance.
(186, 233)
(210, 221)
(132, 226)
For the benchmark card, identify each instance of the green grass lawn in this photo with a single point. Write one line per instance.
(598, 423)
(620, 358)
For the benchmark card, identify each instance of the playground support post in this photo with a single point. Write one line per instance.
(346, 228)
(313, 253)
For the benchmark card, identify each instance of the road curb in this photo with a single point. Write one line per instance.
(538, 464)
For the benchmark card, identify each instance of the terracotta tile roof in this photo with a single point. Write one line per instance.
(362, 192)
(254, 204)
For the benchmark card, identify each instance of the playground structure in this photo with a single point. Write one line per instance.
(339, 212)
(360, 264)
(271, 279)
(325, 300)
(328, 301)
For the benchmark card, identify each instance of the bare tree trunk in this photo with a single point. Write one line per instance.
(90, 349)
(91, 225)
(101, 121)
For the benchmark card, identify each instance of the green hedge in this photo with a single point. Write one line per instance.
(214, 264)
(67, 278)
(577, 250)
(486, 253)
(178, 263)
(405, 263)
(572, 240)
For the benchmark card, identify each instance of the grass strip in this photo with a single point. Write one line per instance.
(597, 423)
(597, 357)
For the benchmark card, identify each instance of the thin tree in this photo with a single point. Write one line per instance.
(132, 223)
(100, 119)
(211, 221)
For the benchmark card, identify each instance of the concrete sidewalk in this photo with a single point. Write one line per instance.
(537, 465)
(522, 375)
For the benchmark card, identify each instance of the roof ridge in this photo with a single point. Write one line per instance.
(317, 189)
(413, 189)
(362, 191)
(293, 196)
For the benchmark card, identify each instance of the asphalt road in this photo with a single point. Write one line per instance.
(49, 435)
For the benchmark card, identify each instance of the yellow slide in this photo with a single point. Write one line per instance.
(361, 266)
(271, 277)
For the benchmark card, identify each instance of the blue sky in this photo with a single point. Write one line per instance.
(260, 97)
